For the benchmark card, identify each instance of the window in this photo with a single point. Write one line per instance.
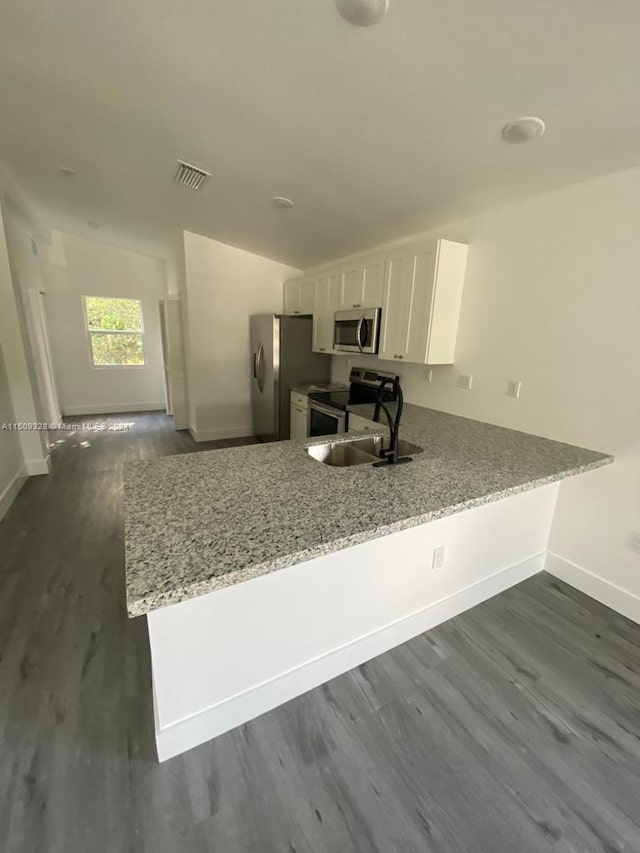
(115, 331)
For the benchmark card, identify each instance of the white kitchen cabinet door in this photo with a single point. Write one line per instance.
(362, 283)
(407, 302)
(307, 296)
(298, 422)
(325, 305)
(300, 400)
(422, 297)
(291, 291)
(298, 296)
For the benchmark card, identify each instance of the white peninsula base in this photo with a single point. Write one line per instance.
(229, 656)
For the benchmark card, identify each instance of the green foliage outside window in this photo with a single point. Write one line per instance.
(115, 328)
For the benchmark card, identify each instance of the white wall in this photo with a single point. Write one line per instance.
(28, 280)
(15, 269)
(552, 298)
(12, 469)
(342, 609)
(224, 286)
(73, 267)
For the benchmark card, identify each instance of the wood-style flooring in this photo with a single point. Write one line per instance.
(514, 728)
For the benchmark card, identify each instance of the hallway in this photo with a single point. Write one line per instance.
(497, 732)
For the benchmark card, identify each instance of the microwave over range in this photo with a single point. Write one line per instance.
(356, 331)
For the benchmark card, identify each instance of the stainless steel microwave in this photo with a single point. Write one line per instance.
(356, 331)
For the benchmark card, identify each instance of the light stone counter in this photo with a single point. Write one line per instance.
(198, 522)
(324, 386)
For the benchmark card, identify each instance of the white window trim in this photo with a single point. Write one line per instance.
(89, 332)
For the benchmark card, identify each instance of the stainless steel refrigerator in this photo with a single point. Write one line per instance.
(281, 356)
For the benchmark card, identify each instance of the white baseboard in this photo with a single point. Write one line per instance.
(215, 720)
(10, 491)
(35, 467)
(621, 600)
(113, 408)
(219, 434)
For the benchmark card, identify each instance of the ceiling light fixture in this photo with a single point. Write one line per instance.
(282, 201)
(524, 129)
(362, 13)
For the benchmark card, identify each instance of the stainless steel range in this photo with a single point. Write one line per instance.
(328, 409)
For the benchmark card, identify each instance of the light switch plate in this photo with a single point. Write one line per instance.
(633, 542)
(465, 381)
(513, 388)
(437, 561)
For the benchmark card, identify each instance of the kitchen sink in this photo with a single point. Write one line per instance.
(405, 448)
(343, 454)
(358, 451)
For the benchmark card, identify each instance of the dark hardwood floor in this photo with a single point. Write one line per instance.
(514, 728)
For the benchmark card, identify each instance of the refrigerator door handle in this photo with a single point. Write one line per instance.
(255, 372)
(259, 367)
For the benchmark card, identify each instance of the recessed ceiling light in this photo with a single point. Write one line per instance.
(362, 13)
(67, 172)
(281, 201)
(524, 129)
(92, 224)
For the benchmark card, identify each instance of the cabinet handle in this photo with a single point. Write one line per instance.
(296, 312)
(400, 356)
(322, 349)
(356, 305)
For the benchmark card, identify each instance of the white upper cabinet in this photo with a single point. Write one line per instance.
(292, 296)
(298, 296)
(361, 283)
(327, 288)
(422, 297)
(307, 296)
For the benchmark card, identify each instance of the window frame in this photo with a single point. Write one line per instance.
(89, 332)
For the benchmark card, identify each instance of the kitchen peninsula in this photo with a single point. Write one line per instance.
(263, 572)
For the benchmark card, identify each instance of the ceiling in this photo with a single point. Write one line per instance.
(374, 132)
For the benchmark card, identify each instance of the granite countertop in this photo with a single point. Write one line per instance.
(198, 522)
(323, 386)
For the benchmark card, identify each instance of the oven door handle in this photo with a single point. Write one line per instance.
(325, 410)
(359, 333)
(338, 414)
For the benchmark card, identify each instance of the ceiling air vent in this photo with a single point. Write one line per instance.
(190, 176)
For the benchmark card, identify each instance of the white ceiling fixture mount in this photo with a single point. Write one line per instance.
(282, 201)
(362, 13)
(190, 176)
(523, 129)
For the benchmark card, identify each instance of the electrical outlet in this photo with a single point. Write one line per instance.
(633, 542)
(437, 561)
(513, 388)
(465, 381)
